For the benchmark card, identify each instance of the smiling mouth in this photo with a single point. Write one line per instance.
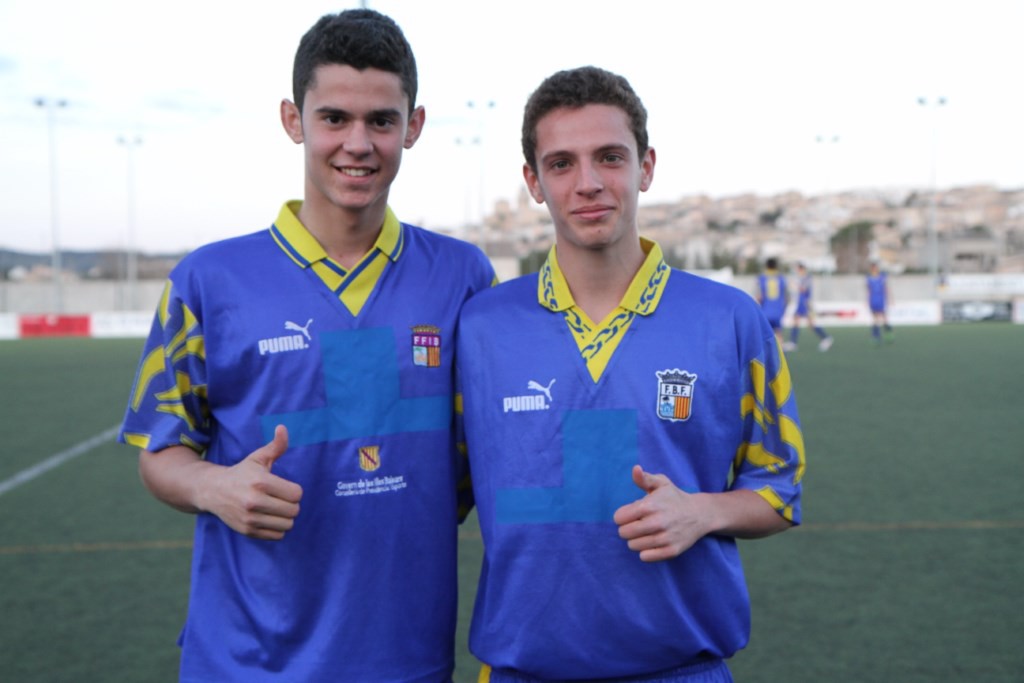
(356, 172)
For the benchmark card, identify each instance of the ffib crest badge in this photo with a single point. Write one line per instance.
(675, 394)
(426, 346)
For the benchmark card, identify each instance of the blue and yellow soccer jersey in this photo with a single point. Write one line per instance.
(803, 299)
(263, 330)
(877, 292)
(685, 378)
(771, 287)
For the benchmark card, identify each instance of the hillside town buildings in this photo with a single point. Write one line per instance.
(976, 229)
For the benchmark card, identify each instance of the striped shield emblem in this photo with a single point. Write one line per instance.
(675, 394)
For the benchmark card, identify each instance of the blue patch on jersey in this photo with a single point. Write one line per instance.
(599, 449)
(362, 382)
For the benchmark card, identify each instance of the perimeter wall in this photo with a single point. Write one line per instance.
(114, 309)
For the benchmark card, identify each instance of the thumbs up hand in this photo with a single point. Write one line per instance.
(249, 498)
(665, 522)
(267, 455)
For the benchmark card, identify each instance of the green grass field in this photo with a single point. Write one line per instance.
(907, 567)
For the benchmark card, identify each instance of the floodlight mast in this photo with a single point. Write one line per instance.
(933, 242)
(51, 106)
(131, 251)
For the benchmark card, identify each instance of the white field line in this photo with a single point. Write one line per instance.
(57, 460)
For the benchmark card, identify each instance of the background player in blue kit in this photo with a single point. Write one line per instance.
(804, 311)
(625, 423)
(296, 394)
(773, 294)
(878, 302)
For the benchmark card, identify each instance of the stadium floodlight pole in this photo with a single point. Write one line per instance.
(467, 220)
(51, 106)
(131, 252)
(933, 239)
(826, 201)
(821, 140)
(481, 108)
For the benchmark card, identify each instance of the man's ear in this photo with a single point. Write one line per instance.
(415, 127)
(647, 169)
(291, 119)
(533, 184)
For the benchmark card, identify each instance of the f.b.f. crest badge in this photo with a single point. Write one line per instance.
(426, 346)
(369, 458)
(675, 394)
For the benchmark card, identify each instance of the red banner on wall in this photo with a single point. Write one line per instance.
(54, 326)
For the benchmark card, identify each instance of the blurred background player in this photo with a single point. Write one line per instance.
(773, 295)
(878, 302)
(805, 312)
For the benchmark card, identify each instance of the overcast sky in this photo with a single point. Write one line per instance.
(738, 94)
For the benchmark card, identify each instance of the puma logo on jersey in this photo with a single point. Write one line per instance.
(517, 404)
(289, 325)
(537, 386)
(288, 342)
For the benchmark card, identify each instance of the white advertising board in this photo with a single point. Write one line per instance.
(121, 324)
(9, 326)
(856, 313)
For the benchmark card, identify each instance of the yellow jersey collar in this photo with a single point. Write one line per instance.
(300, 245)
(643, 294)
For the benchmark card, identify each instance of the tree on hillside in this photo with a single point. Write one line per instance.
(851, 247)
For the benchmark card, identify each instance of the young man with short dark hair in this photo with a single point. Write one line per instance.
(625, 423)
(296, 395)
